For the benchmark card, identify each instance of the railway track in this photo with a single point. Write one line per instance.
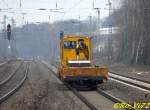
(2, 64)
(6, 78)
(82, 98)
(95, 100)
(129, 77)
(136, 83)
(13, 83)
(130, 81)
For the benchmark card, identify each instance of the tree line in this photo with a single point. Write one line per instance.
(133, 40)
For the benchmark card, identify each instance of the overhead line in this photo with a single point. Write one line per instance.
(17, 2)
(71, 8)
(5, 3)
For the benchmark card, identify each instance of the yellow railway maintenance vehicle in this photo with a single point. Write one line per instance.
(76, 62)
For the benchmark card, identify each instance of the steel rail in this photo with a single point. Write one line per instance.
(2, 64)
(129, 77)
(112, 98)
(82, 98)
(7, 95)
(99, 91)
(131, 81)
(11, 75)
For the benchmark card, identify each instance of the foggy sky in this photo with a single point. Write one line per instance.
(74, 9)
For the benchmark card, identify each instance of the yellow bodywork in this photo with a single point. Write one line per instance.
(84, 71)
(70, 54)
(67, 54)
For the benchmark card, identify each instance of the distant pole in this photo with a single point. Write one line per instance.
(14, 49)
(79, 17)
(79, 25)
(5, 17)
(23, 18)
(98, 29)
(98, 11)
(20, 4)
(56, 5)
(90, 19)
(110, 32)
(110, 8)
(90, 27)
(98, 17)
(49, 18)
(4, 35)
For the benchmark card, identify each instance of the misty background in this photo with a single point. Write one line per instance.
(123, 36)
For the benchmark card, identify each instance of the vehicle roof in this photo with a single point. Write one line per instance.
(75, 37)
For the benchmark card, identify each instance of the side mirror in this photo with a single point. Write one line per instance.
(61, 34)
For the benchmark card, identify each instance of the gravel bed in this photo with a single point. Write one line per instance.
(7, 69)
(42, 91)
(136, 71)
(126, 93)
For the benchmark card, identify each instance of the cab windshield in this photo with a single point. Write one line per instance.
(69, 44)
